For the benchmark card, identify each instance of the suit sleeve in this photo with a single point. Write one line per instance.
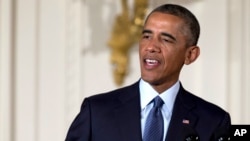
(80, 129)
(223, 131)
(226, 121)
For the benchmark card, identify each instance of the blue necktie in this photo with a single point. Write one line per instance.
(154, 123)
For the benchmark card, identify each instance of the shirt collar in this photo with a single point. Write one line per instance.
(147, 94)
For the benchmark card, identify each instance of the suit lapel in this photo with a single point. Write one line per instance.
(182, 116)
(127, 114)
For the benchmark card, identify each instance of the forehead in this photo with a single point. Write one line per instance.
(163, 20)
(158, 22)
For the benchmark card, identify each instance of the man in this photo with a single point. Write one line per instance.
(169, 40)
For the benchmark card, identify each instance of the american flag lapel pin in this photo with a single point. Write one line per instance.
(185, 121)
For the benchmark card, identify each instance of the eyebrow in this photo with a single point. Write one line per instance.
(168, 35)
(163, 33)
(146, 31)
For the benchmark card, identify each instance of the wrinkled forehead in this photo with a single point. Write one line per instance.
(170, 20)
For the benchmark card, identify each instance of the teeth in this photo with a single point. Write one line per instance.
(151, 61)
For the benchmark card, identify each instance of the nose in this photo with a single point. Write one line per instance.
(154, 46)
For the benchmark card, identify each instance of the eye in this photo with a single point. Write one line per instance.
(167, 40)
(146, 36)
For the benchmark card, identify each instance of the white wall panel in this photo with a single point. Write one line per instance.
(75, 25)
(51, 70)
(238, 61)
(25, 71)
(6, 59)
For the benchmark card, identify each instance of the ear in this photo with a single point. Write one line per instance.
(192, 53)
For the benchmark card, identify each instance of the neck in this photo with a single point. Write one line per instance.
(160, 88)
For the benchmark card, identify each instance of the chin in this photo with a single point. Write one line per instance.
(150, 80)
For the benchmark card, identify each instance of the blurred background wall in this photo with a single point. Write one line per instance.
(53, 53)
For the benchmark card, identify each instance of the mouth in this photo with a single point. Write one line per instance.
(150, 63)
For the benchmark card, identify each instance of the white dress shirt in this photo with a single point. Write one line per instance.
(147, 94)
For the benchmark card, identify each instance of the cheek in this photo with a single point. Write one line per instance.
(144, 42)
(173, 57)
(141, 47)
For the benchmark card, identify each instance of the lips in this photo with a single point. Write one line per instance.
(150, 63)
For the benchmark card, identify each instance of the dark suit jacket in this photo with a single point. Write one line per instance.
(115, 116)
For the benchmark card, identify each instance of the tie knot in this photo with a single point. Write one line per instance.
(158, 102)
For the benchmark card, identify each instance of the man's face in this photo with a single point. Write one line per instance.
(162, 50)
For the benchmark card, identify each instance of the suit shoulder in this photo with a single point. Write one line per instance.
(202, 105)
(206, 106)
(114, 94)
